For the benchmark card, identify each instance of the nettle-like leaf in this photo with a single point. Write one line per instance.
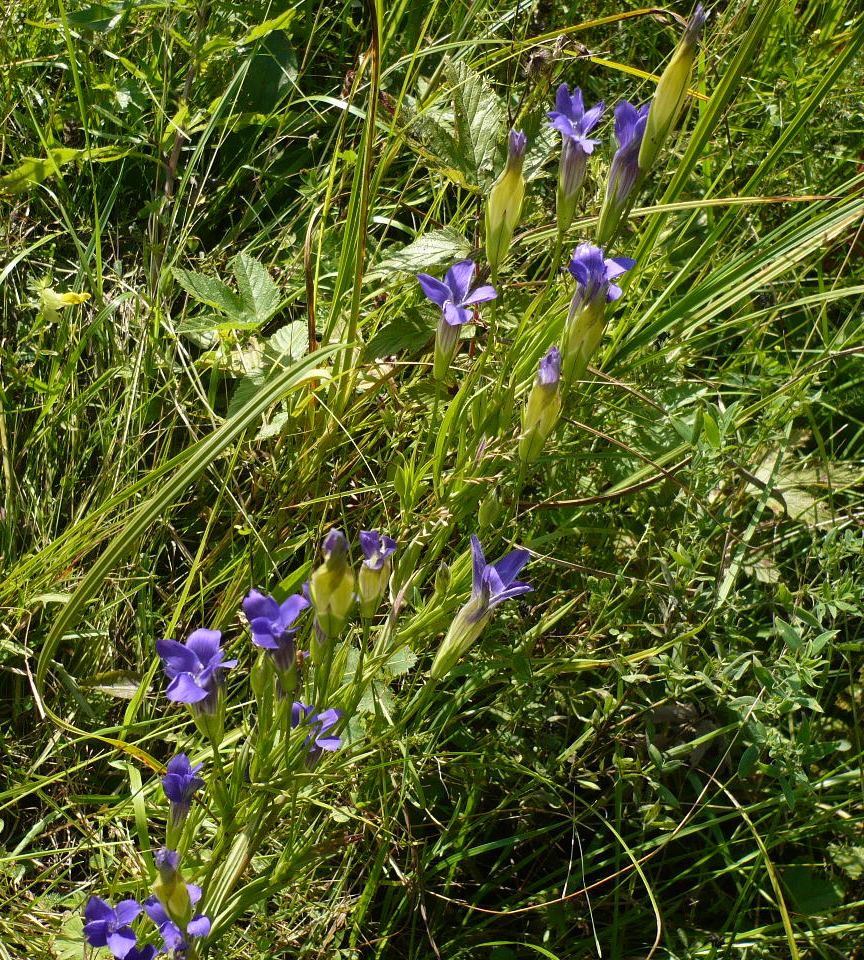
(258, 292)
(480, 120)
(464, 142)
(257, 298)
(285, 347)
(436, 248)
(210, 291)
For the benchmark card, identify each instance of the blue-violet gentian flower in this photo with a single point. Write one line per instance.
(375, 570)
(273, 625)
(180, 783)
(108, 926)
(630, 124)
(595, 287)
(453, 295)
(492, 585)
(319, 739)
(194, 669)
(594, 274)
(574, 123)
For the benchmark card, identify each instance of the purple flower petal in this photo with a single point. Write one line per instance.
(562, 99)
(155, 911)
(299, 712)
(331, 744)
(172, 936)
(96, 932)
(516, 146)
(514, 590)
(183, 689)
(198, 926)
(435, 290)
(456, 316)
(120, 942)
(262, 634)
(459, 278)
(126, 911)
(205, 645)
(98, 909)
(592, 116)
(508, 567)
(194, 892)
(549, 368)
(480, 295)
(615, 266)
(176, 658)
(256, 605)
(563, 125)
(291, 608)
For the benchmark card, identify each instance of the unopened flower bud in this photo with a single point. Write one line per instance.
(671, 91)
(170, 888)
(442, 578)
(490, 509)
(375, 570)
(543, 407)
(504, 205)
(331, 587)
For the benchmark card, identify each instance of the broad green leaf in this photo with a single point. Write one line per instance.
(410, 332)
(401, 662)
(434, 249)
(258, 292)
(209, 290)
(69, 942)
(274, 427)
(98, 17)
(245, 390)
(282, 22)
(287, 344)
(480, 122)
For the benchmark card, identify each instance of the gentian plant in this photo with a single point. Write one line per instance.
(594, 274)
(574, 123)
(492, 585)
(453, 295)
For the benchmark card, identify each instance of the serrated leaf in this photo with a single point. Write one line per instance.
(244, 391)
(480, 120)
(288, 344)
(412, 331)
(69, 942)
(436, 248)
(258, 292)
(400, 662)
(274, 427)
(209, 290)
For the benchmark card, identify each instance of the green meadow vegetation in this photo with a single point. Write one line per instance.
(214, 351)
